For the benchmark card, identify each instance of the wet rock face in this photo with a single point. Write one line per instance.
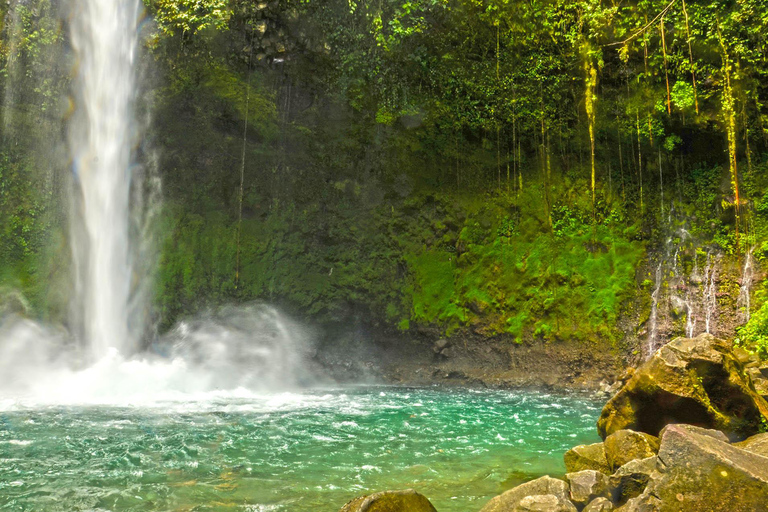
(690, 380)
(544, 486)
(587, 456)
(390, 501)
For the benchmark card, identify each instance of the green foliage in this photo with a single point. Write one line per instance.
(415, 163)
(754, 335)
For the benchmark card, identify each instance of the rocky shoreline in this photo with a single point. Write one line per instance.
(473, 361)
(686, 432)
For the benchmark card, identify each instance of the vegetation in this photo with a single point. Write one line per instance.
(500, 166)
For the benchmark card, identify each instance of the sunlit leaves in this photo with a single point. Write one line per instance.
(189, 16)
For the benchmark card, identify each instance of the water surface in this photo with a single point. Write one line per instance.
(308, 451)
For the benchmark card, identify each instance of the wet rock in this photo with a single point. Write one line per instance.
(697, 473)
(543, 486)
(599, 505)
(440, 345)
(756, 444)
(448, 353)
(631, 479)
(545, 503)
(390, 501)
(587, 485)
(690, 380)
(626, 445)
(587, 456)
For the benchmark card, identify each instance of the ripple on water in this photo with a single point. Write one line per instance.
(309, 451)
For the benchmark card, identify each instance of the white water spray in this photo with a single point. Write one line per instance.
(104, 36)
(237, 352)
(745, 290)
(709, 292)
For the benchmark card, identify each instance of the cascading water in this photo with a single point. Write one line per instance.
(684, 294)
(747, 276)
(653, 334)
(104, 36)
(709, 292)
(247, 349)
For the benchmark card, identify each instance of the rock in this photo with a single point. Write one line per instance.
(599, 505)
(756, 444)
(447, 352)
(758, 380)
(631, 479)
(390, 501)
(440, 345)
(743, 356)
(586, 456)
(545, 503)
(644, 503)
(714, 434)
(699, 473)
(690, 380)
(626, 445)
(587, 485)
(509, 500)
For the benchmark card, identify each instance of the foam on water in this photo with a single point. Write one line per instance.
(290, 451)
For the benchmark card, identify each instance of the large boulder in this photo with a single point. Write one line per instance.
(544, 503)
(627, 445)
(510, 500)
(714, 434)
(698, 473)
(390, 501)
(586, 456)
(756, 444)
(631, 479)
(689, 380)
(587, 485)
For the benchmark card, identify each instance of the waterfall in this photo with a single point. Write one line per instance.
(102, 135)
(653, 333)
(684, 294)
(747, 276)
(709, 292)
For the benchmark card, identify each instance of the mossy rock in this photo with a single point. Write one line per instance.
(599, 505)
(545, 503)
(756, 444)
(587, 456)
(545, 486)
(625, 445)
(587, 485)
(390, 501)
(690, 380)
(631, 479)
(698, 473)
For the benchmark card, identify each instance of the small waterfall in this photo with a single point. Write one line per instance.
(684, 294)
(102, 136)
(709, 292)
(747, 276)
(653, 331)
